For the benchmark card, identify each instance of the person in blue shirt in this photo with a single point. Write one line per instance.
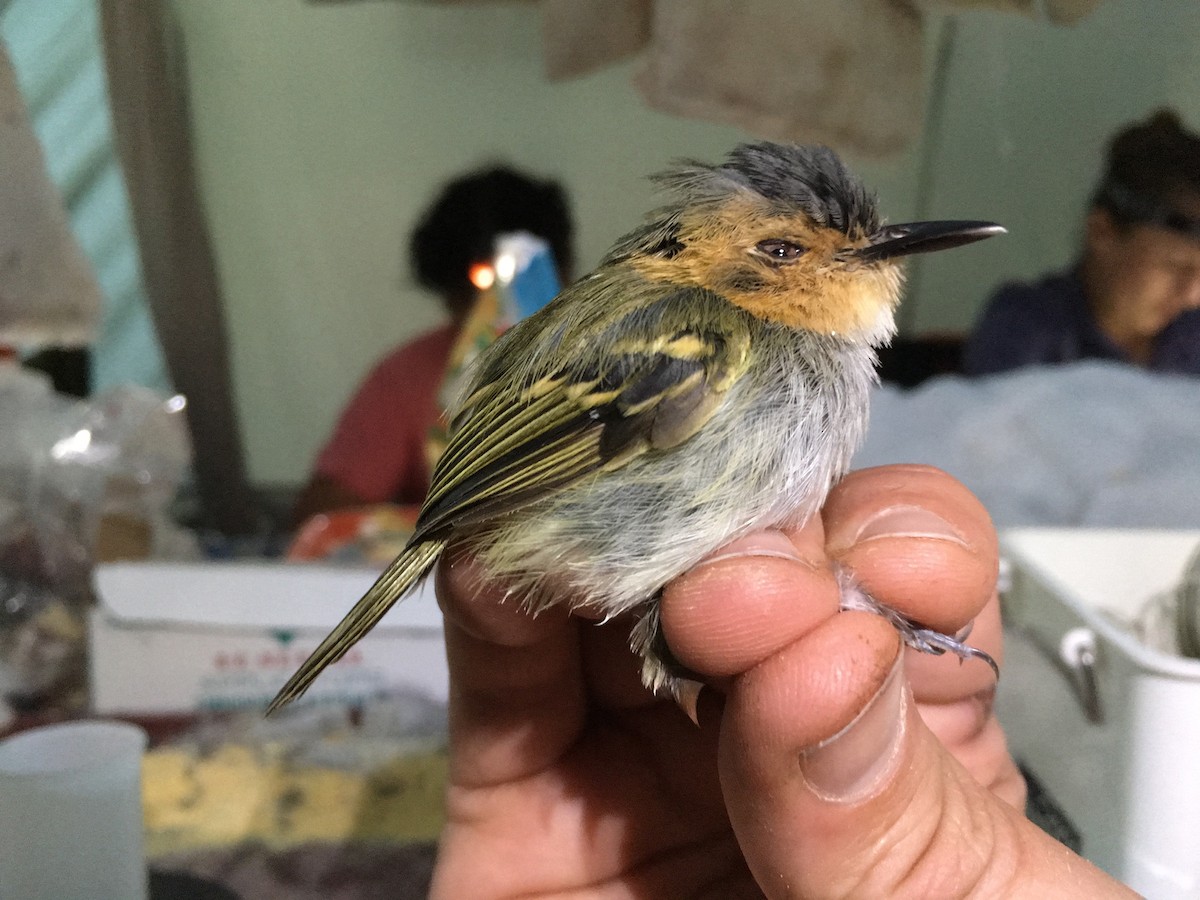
(1134, 295)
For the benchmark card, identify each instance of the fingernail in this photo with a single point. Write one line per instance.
(857, 761)
(761, 543)
(908, 522)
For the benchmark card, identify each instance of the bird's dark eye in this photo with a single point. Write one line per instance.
(780, 251)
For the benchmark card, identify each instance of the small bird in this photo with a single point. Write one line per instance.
(709, 378)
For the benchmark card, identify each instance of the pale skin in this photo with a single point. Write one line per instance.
(567, 779)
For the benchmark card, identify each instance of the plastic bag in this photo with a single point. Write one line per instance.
(80, 482)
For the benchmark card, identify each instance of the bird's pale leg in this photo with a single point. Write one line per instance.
(663, 674)
(916, 635)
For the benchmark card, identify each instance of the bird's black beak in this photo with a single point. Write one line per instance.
(922, 237)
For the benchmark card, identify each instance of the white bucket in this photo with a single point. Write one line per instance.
(1107, 725)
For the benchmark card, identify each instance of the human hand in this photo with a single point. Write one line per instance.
(568, 779)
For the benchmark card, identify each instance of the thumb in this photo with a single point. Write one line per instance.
(835, 787)
(817, 762)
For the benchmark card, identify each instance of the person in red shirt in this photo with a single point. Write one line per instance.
(376, 453)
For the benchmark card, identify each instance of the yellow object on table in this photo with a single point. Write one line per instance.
(244, 794)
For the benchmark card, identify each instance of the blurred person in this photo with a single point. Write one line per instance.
(377, 452)
(1134, 295)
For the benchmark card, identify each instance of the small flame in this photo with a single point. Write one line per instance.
(482, 276)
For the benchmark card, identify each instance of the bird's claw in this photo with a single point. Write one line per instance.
(917, 636)
(934, 642)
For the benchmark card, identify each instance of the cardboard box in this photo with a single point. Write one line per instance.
(1108, 726)
(170, 638)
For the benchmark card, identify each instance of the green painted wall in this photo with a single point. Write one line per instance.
(322, 130)
(1029, 111)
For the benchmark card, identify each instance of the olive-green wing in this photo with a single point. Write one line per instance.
(635, 382)
(645, 381)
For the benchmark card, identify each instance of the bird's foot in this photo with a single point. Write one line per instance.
(662, 673)
(935, 642)
(916, 635)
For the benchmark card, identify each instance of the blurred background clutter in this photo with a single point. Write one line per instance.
(247, 251)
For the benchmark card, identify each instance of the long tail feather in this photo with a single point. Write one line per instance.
(404, 571)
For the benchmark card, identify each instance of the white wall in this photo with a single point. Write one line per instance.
(322, 130)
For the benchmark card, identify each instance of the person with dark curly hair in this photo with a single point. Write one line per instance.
(1134, 295)
(376, 453)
